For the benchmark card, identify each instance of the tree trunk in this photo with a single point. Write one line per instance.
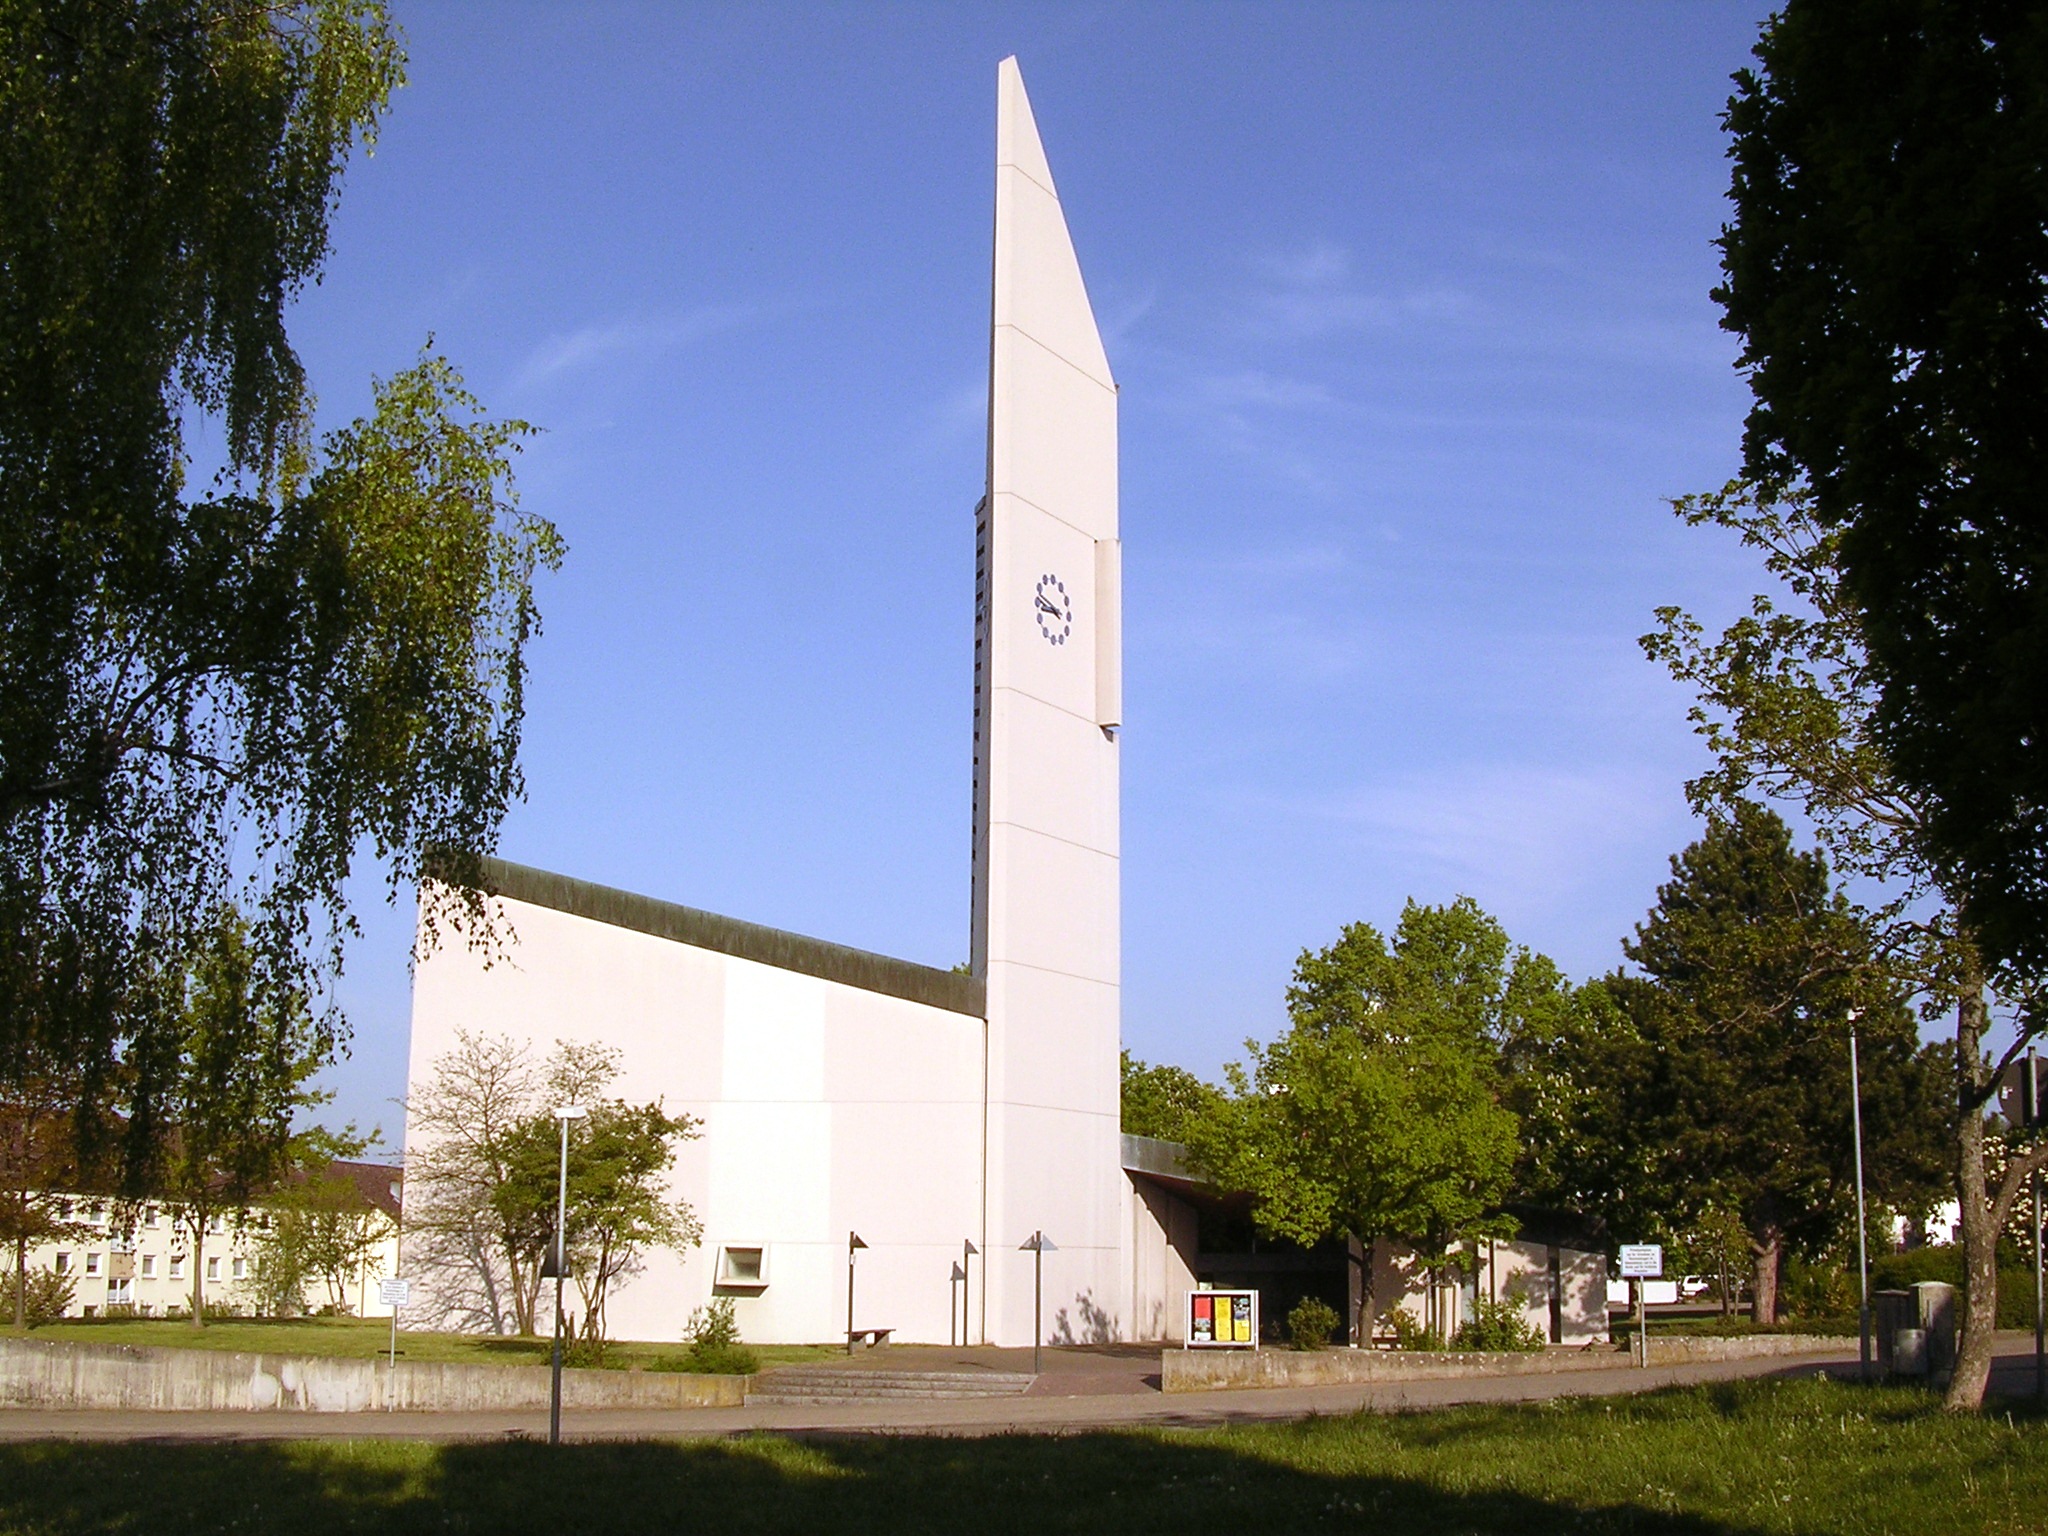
(1979, 1311)
(1358, 1293)
(21, 1283)
(1768, 1247)
(199, 1272)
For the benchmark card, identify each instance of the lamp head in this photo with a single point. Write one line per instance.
(570, 1112)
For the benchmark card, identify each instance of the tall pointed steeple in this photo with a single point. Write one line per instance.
(1047, 700)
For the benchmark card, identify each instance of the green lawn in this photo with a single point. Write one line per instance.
(1809, 1457)
(355, 1338)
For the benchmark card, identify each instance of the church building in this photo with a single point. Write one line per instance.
(842, 1092)
(871, 1127)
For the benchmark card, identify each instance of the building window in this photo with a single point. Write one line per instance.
(121, 1293)
(63, 1263)
(149, 1216)
(177, 1266)
(149, 1266)
(213, 1269)
(92, 1263)
(241, 1269)
(213, 1224)
(743, 1266)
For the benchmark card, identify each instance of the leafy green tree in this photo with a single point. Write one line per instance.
(1787, 703)
(242, 1054)
(1163, 1100)
(221, 687)
(1884, 268)
(1378, 1113)
(40, 1163)
(481, 1184)
(317, 1225)
(619, 1204)
(1735, 1076)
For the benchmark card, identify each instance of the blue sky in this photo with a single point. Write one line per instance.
(1409, 307)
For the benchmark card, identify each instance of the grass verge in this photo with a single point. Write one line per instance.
(1810, 1457)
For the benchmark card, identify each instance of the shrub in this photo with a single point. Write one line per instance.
(1411, 1334)
(1816, 1290)
(48, 1296)
(1312, 1324)
(1498, 1325)
(714, 1339)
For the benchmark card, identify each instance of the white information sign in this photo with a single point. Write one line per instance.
(1642, 1261)
(394, 1292)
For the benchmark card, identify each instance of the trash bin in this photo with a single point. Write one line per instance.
(1935, 1301)
(1909, 1352)
(1889, 1312)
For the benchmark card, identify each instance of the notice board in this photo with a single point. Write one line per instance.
(1223, 1320)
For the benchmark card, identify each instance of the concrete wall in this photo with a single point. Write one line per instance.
(1224, 1370)
(825, 1109)
(1164, 1240)
(36, 1373)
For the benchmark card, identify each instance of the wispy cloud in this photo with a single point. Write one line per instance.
(634, 337)
(1313, 292)
(1529, 833)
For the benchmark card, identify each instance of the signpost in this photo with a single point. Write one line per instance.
(1222, 1320)
(1640, 1262)
(394, 1293)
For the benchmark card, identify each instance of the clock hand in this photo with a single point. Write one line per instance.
(1045, 607)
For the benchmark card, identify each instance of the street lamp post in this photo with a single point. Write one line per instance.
(1862, 1232)
(1038, 1245)
(560, 1260)
(853, 1242)
(967, 1252)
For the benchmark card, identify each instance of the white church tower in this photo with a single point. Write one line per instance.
(1047, 703)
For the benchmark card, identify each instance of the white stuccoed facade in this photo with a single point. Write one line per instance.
(842, 1092)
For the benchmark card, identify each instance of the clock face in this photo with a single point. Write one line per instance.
(1055, 610)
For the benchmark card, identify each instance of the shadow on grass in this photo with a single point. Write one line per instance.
(1021, 1484)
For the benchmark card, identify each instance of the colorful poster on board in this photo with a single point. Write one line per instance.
(1223, 1320)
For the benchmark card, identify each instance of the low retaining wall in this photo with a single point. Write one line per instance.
(1190, 1370)
(38, 1373)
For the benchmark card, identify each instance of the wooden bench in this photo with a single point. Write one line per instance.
(867, 1336)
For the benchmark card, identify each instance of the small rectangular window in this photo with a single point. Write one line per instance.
(92, 1263)
(63, 1263)
(241, 1269)
(149, 1216)
(177, 1266)
(149, 1266)
(213, 1269)
(743, 1266)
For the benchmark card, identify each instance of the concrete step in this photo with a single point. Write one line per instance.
(813, 1384)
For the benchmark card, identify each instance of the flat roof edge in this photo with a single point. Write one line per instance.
(858, 968)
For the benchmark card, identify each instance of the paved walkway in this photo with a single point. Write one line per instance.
(1084, 1390)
